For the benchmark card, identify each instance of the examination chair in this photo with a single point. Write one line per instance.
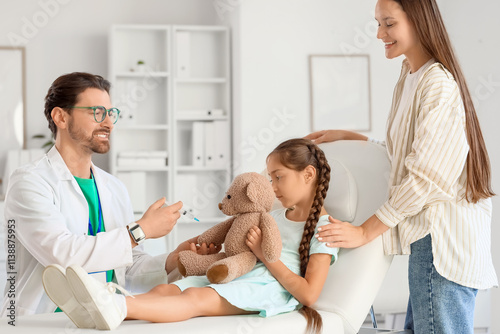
(358, 186)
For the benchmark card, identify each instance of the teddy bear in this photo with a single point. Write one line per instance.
(248, 200)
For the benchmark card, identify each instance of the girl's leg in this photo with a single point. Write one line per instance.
(160, 290)
(192, 302)
(437, 305)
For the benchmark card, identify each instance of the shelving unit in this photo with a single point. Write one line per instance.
(177, 109)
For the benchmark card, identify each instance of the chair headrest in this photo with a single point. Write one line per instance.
(342, 197)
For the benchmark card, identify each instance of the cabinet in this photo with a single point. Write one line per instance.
(173, 139)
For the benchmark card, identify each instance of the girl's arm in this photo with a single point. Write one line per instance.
(305, 289)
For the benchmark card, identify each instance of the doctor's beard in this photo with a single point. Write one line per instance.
(91, 143)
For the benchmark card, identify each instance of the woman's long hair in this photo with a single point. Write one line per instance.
(432, 34)
(297, 154)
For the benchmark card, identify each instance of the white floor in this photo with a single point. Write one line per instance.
(396, 321)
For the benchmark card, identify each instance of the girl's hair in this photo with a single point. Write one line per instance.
(297, 154)
(430, 29)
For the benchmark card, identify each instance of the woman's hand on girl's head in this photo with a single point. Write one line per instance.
(326, 136)
(254, 242)
(323, 136)
(341, 234)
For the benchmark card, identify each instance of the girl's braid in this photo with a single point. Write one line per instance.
(323, 170)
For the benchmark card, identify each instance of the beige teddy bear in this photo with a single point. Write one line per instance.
(248, 200)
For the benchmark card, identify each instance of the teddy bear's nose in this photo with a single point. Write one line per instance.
(220, 206)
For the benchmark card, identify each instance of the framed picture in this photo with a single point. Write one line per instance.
(340, 92)
(13, 104)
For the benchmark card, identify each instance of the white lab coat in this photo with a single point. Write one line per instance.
(51, 218)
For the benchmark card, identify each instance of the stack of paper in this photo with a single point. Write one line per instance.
(143, 158)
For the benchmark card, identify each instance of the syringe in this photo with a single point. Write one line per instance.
(184, 211)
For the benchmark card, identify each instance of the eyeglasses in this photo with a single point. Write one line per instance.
(100, 113)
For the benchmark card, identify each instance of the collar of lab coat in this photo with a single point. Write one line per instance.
(101, 179)
(57, 162)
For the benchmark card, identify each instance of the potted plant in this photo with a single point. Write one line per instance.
(48, 144)
(141, 66)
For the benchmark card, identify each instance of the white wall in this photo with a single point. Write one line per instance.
(478, 48)
(272, 40)
(63, 36)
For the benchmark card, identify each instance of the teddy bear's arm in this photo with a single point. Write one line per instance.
(216, 235)
(271, 239)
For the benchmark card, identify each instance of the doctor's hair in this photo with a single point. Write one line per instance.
(297, 154)
(64, 91)
(429, 27)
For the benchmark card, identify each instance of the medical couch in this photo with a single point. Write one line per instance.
(360, 173)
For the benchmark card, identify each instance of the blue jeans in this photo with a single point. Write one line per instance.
(436, 305)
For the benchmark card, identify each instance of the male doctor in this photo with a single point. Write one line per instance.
(65, 210)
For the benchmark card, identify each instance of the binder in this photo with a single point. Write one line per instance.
(222, 143)
(183, 54)
(210, 142)
(198, 138)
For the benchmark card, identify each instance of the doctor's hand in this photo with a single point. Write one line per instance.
(326, 136)
(158, 221)
(345, 235)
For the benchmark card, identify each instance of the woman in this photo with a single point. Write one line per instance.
(439, 206)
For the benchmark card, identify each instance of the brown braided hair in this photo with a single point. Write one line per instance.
(297, 154)
(431, 32)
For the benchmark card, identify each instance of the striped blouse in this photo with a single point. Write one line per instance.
(428, 149)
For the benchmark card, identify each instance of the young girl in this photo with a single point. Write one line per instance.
(300, 177)
(439, 206)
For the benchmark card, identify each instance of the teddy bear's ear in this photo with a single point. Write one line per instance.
(253, 191)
